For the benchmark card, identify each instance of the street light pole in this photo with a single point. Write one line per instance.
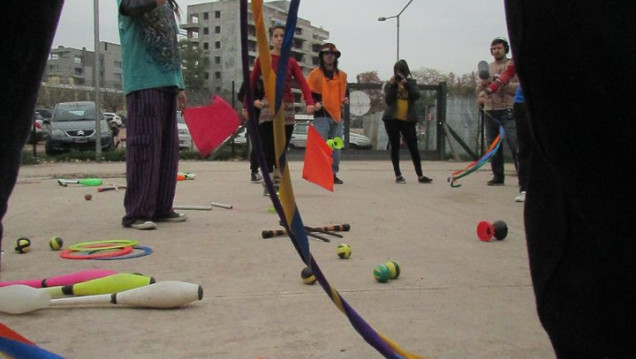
(96, 70)
(397, 17)
(398, 36)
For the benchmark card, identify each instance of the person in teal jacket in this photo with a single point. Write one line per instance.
(153, 85)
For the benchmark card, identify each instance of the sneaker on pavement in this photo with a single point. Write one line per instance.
(495, 182)
(256, 177)
(400, 180)
(521, 197)
(173, 217)
(337, 180)
(143, 224)
(424, 179)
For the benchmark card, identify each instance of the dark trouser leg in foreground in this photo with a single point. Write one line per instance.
(523, 140)
(579, 214)
(21, 73)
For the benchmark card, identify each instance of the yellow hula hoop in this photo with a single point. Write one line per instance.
(116, 243)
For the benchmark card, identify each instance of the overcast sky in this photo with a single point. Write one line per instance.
(445, 35)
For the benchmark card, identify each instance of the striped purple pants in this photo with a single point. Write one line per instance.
(152, 154)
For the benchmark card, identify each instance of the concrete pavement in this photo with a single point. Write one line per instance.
(456, 298)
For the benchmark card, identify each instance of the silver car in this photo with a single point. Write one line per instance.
(185, 139)
(73, 126)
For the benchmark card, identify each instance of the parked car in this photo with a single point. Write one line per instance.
(73, 127)
(241, 136)
(123, 118)
(185, 139)
(299, 138)
(113, 119)
(46, 113)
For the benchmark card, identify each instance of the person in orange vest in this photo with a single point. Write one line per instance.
(328, 86)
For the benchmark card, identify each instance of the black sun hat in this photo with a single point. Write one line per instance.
(329, 47)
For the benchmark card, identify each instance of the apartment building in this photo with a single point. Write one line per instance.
(70, 66)
(215, 28)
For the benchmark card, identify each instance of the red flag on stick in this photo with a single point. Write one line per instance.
(211, 125)
(317, 168)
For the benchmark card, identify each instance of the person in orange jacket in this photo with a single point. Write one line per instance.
(328, 86)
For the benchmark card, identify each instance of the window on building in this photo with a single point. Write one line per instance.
(206, 16)
(206, 46)
(206, 75)
(218, 90)
(55, 57)
(78, 71)
(206, 31)
(217, 44)
(217, 60)
(298, 31)
(117, 64)
(217, 14)
(217, 75)
(194, 19)
(217, 29)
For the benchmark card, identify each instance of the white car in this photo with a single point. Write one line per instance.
(185, 139)
(241, 136)
(299, 138)
(113, 119)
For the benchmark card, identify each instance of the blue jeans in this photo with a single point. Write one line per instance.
(328, 128)
(492, 120)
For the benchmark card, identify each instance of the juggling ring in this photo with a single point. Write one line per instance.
(144, 252)
(67, 253)
(118, 243)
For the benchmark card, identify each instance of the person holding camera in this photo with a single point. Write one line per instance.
(400, 117)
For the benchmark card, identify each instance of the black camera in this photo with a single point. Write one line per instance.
(398, 77)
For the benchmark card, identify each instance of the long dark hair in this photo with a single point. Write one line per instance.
(175, 8)
(149, 21)
(402, 68)
(323, 66)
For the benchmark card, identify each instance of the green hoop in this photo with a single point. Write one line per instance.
(90, 246)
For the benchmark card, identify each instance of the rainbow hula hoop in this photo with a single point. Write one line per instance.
(119, 252)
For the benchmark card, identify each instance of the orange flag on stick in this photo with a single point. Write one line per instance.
(317, 168)
(211, 125)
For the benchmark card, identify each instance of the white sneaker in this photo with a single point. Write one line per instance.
(143, 224)
(521, 197)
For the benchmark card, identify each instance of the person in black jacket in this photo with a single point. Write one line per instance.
(400, 117)
(259, 94)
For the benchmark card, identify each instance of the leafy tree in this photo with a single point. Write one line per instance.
(194, 63)
(425, 76)
(376, 96)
